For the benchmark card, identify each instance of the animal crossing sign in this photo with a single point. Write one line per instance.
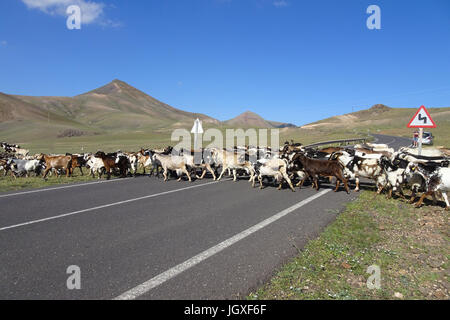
(421, 119)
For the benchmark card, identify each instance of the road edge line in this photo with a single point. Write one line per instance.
(104, 206)
(186, 265)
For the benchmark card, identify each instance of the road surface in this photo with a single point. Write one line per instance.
(141, 238)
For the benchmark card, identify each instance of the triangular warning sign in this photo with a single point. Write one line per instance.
(422, 119)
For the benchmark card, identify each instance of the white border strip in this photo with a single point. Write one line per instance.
(106, 206)
(63, 187)
(173, 272)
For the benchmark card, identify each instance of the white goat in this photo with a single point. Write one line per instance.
(437, 182)
(355, 167)
(171, 162)
(276, 168)
(95, 165)
(233, 161)
(25, 167)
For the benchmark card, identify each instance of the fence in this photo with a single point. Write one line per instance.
(339, 142)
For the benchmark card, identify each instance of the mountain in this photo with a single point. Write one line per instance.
(250, 119)
(115, 107)
(376, 112)
(126, 98)
(281, 125)
(12, 108)
(119, 112)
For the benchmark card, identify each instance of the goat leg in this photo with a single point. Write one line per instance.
(400, 191)
(413, 197)
(357, 184)
(420, 202)
(300, 183)
(389, 195)
(380, 188)
(447, 204)
(46, 172)
(346, 186)
(221, 174)
(338, 183)
(188, 175)
(316, 183)
(286, 177)
(211, 171)
(203, 174)
(260, 182)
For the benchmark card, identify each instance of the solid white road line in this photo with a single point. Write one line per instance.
(62, 187)
(106, 206)
(173, 272)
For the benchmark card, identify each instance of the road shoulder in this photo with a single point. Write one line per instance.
(410, 246)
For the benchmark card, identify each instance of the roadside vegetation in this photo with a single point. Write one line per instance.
(410, 245)
(9, 183)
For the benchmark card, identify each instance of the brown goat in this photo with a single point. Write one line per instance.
(77, 162)
(57, 163)
(111, 162)
(314, 167)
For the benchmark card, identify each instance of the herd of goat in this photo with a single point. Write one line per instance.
(293, 164)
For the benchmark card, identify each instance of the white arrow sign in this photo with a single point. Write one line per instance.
(197, 128)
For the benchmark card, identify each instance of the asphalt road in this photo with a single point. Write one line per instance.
(142, 238)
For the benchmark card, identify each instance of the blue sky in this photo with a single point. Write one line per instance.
(287, 60)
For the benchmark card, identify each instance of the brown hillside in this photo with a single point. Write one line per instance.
(115, 105)
(249, 119)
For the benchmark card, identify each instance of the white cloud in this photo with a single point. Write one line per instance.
(280, 3)
(91, 12)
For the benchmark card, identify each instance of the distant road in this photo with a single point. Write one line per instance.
(393, 142)
(141, 238)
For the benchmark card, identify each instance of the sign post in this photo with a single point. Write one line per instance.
(421, 119)
(196, 130)
(419, 143)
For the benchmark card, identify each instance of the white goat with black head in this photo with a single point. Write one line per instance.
(274, 168)
(437, 181)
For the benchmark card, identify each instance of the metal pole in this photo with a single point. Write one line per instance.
(195, 141)
(420, 141)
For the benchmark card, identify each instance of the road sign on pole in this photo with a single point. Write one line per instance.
(421, 119)
(196, 130)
